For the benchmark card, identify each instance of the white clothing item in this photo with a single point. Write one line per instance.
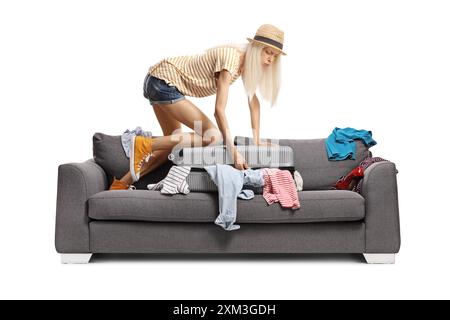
(298, 180)
(174, 182)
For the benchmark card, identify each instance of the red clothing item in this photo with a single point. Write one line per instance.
(279, 186)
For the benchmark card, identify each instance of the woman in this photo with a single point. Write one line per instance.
(169, 81)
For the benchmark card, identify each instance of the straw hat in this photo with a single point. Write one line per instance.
(270, 36)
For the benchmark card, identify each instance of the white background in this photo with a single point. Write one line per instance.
(69, 69)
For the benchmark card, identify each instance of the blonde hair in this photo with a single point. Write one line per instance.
(254, 76)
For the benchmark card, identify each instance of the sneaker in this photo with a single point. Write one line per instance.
(119, 185)
(140, 151)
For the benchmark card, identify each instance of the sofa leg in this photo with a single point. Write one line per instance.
(380, 258)
(76, 258)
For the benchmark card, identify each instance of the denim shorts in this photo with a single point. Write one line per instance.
(157, 91)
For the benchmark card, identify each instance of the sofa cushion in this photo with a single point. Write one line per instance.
(311, 160)
(139, 205)
(109, 154)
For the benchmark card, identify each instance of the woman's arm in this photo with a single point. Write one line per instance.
(223, 85)
(255, 117)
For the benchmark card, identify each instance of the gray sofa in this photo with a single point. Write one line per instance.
(90, 219)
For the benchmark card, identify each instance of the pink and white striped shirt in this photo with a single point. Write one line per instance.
(279, 186)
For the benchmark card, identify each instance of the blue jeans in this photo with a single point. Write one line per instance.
(229, 182)
(157, 91)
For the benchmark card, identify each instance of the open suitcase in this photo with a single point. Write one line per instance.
(257, 157)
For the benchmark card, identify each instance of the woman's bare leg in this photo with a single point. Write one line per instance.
(170, 118)
(160, 156)
(191, 116)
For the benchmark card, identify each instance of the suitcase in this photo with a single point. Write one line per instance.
(257, 157)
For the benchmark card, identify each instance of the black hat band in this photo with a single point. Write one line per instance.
(269, 41)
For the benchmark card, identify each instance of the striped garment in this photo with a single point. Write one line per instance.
(279, 186)
(174, 182)
(195, 75)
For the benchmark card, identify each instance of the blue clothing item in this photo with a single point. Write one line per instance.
(340, 145)
(128, 135)
(229, 182)
(158, 91)
(253, 178)
(246, 194)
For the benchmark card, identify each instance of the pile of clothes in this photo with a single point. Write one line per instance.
(278, 185)
(340, 145)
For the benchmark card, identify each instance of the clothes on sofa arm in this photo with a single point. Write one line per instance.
(340, 145)
(229, 182)
(366, 163)
(174, 182)
(128, 135)
(279, 186)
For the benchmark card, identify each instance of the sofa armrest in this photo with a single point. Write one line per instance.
(382, 220)
(76, 183)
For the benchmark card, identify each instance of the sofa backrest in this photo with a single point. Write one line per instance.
(311, 160)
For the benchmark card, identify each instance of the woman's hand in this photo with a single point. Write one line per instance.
(239, 161)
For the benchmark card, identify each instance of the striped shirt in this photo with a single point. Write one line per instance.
(195, 75)
(279, 186)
